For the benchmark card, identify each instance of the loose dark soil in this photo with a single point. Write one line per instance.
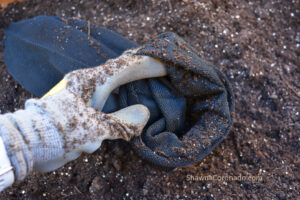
(256, 43)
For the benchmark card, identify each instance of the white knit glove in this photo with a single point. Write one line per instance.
(58, 128)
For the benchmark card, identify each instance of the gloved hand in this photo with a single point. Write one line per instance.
(191, 109)
(57, 128)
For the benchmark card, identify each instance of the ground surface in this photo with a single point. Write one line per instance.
(256, 43)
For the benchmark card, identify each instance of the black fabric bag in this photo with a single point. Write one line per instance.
(191, 109)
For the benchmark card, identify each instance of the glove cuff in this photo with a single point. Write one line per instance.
(17, 150)
(6, 170)
(30, 138)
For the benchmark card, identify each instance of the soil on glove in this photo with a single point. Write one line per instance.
(255, 43)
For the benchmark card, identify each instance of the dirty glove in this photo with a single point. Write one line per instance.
(191, 108)
(57, 128)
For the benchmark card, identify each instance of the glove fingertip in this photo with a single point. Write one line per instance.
(135, 116)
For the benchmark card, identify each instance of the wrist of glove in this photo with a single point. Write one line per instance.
(58, 128)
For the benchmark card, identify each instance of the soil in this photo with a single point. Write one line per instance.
(257, 45)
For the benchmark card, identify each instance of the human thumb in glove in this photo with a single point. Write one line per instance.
(57, 128)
